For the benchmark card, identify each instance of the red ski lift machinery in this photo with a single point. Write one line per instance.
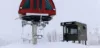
(36, 10)
(39, 12)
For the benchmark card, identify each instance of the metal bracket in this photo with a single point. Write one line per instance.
(39, 36)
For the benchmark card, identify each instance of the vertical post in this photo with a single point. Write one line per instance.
(79, 41)
(64, 32)
(73, 41)
(85, 42)
(34, 33)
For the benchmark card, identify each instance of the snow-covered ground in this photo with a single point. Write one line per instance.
(46, 45)
(49, 45)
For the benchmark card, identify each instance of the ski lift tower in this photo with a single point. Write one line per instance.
(38, 12)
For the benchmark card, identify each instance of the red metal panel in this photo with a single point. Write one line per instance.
(31, 4)
(37, 10)
(22, 3)
(43, 5)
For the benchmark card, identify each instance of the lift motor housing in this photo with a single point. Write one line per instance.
(37, 10)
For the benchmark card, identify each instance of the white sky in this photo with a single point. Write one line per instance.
(86, 11)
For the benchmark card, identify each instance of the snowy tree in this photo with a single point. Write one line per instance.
(49, 37)
(54, 36)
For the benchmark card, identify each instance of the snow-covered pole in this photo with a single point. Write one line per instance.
(34, 33)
